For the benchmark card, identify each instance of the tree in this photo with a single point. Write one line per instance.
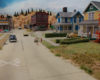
(50, 24)
(32, 9)
(22, 12)
(50, 13)
(28, 11)
(17, 14)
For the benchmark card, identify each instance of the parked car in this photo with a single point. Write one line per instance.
(25, 34)
(6, 30)
(12, 38)
(19, 28)
(1, 30)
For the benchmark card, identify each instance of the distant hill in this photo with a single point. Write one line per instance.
(24, 20)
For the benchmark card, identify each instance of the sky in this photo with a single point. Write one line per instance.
(12, 6)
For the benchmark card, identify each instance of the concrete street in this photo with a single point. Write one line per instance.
(24, 60)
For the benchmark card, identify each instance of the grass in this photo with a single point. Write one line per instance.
(33, 35)
(54, 40)
(43, 34)
(85, 55)
(48, 45)
(88, 70)
(1, 35)
(3, 40)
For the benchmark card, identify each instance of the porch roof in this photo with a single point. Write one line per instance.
(85, 22)
(63, 24)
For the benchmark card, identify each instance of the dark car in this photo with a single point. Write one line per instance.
(19, 28)
(12, 38)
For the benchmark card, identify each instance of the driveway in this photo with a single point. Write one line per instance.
(24, 60)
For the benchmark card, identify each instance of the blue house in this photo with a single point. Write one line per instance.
(68, 21)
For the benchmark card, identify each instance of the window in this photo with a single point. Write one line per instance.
(78, 14)
(80, 19)
(75, 20)
(95, 29)
(91, 16)
(76, 27)
(91, 7)
(66, 20)
(44, 16)
(58, 20)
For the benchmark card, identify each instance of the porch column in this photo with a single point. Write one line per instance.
(86, 28)
(93, 29)
(67, 28)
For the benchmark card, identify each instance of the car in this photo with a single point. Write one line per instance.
(25, 34)
(12, 38)
(19, 28)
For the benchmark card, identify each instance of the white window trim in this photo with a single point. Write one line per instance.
(91, 16)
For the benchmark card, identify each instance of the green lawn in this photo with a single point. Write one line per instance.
(33, 35)
(54, 40)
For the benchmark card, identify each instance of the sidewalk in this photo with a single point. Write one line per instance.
(2, 36)
(48, 40)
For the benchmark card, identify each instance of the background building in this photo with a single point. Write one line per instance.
(39, 19)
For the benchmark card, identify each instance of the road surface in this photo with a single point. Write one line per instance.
(24, 60)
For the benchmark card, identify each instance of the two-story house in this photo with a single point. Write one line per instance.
(68, 21)
(90, 23)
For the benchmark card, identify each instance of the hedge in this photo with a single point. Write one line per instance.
(55, 35)
(74, 41)
(59, 40)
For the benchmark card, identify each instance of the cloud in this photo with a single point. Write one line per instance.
(51, 5)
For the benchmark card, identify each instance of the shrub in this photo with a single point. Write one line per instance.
(59, 55)
(74, 40)
(55, 35)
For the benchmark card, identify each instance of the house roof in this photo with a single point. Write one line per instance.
(57, 24)
(67, 14)
(89, 22)
(95, 3)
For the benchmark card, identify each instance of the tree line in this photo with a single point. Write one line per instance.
(28, 11)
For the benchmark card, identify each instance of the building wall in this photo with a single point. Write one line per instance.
(96, 15)
(86, 16)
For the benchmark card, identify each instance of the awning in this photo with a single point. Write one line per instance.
(87, 22)
(63, 24)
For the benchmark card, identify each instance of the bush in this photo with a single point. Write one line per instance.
(55, 35)
(88, 70)
(74, 40)
(59, 55)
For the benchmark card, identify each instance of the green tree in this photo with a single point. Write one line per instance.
(28, 11)
(32, 9)
(17, 14)
(22, 12)
(50, 13)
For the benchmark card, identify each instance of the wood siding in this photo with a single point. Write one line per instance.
(86, 16)
(96, 15)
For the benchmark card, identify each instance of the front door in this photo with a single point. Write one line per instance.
(89, 29)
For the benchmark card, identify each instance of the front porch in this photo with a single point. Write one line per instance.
(84, 30)
(64, 29)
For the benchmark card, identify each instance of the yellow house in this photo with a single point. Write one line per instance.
(90, 23)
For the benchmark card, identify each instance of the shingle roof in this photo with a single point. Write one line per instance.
(57, 24)
(96, 3)
(89, 22)
(67, 14)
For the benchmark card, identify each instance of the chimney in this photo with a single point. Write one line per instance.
(65, 9)
(74, 10)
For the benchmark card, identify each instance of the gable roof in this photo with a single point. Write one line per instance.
(95, 3)
(67, 14)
